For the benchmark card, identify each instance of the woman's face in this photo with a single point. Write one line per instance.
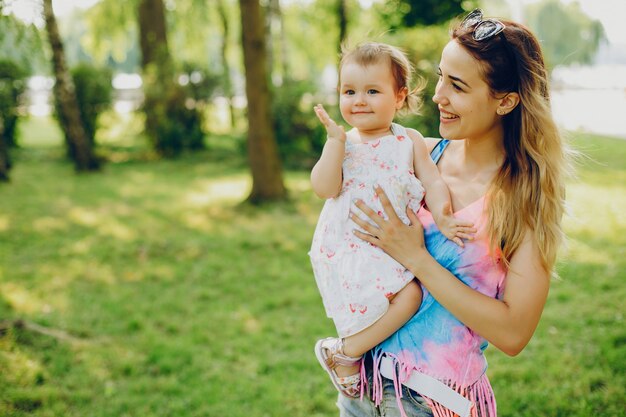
(467, 110)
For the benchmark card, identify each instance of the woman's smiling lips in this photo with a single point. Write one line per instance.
(447, 117)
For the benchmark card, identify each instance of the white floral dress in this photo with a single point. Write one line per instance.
(356, 279)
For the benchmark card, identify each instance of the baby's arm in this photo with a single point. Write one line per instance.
(437, 195)
(326, 176)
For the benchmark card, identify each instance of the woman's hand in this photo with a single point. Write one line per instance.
(404, 243)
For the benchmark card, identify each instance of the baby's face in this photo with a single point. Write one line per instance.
(368, 98)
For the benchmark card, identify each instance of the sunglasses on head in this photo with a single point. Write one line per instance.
(483, 28)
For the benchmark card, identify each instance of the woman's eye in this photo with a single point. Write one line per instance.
(456, 87)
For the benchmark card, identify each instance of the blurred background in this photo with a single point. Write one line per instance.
(155, 209)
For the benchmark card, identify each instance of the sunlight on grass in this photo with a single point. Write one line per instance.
(49, 224)
(18, 368)
(233, 189)
(4, 223)
(20, 299)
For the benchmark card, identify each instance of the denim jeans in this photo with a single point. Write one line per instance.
(414, 405)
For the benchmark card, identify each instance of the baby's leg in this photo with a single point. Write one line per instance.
(401, 308)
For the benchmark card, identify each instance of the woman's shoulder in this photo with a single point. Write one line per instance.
(431, 143)
(414, 135)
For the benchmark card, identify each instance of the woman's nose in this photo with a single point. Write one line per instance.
(438, 97)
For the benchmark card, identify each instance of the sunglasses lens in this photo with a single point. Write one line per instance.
(487, 29)
(471, 19)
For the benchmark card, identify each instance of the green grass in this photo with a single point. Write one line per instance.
(183, 302)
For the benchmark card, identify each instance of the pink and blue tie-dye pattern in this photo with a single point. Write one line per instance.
(435, 342)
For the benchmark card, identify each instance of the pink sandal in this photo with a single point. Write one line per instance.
(329, 352)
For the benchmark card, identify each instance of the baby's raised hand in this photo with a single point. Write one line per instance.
(453, 228)
(333, 130)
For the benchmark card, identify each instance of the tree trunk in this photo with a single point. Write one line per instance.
(228, 84)
(5, 163)
(267, 179)
(153, 33)
(342, 15)
(170, 125)
(80, 148)
(156, 69)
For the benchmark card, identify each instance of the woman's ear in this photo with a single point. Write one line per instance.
(508, 103)
(401, 97)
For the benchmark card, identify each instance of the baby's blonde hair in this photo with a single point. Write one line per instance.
(369, 53)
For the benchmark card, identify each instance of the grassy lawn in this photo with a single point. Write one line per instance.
(172, 299)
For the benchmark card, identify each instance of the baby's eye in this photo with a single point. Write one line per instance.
(349, 92)
(372, 91)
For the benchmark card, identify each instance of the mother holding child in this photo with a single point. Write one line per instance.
(417, 289)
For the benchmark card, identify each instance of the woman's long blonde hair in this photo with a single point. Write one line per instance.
(528, 193)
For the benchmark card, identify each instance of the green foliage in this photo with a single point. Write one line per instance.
(173, 123)
(22, 44)
(299, 134)
(574, 39)
(93, 92)
(423, 45)
(12, 85)
(111, 34)
(200, 83)
(409, 13)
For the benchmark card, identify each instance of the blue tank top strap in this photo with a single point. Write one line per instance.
(437, 151)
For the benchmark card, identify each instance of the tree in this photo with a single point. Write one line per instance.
(12, 85)
(576, 37)
(267, 180)
(69, 113)
(342, 16)
(170, 125)
(401, 13)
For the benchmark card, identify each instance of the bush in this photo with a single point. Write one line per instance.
(12, 86)
(93, 92)
(173, 122)
(299, 134)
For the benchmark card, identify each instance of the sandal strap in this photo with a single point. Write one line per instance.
(343, 360)
(349, 380)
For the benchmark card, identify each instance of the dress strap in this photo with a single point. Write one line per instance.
(437, 151)
(399, 130)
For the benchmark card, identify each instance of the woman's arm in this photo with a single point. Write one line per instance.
(508, 323)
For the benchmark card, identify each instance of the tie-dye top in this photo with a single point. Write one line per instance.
(435, 342)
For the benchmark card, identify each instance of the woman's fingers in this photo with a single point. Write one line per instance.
(365, 225)
(369, 213)
(364, 236)
(387, 207)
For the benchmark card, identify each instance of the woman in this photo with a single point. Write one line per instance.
(504, 163)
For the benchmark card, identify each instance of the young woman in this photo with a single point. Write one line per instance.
(504, 163)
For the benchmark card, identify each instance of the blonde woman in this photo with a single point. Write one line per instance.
(504, 163)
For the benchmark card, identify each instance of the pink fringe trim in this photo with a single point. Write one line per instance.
(480, 393)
